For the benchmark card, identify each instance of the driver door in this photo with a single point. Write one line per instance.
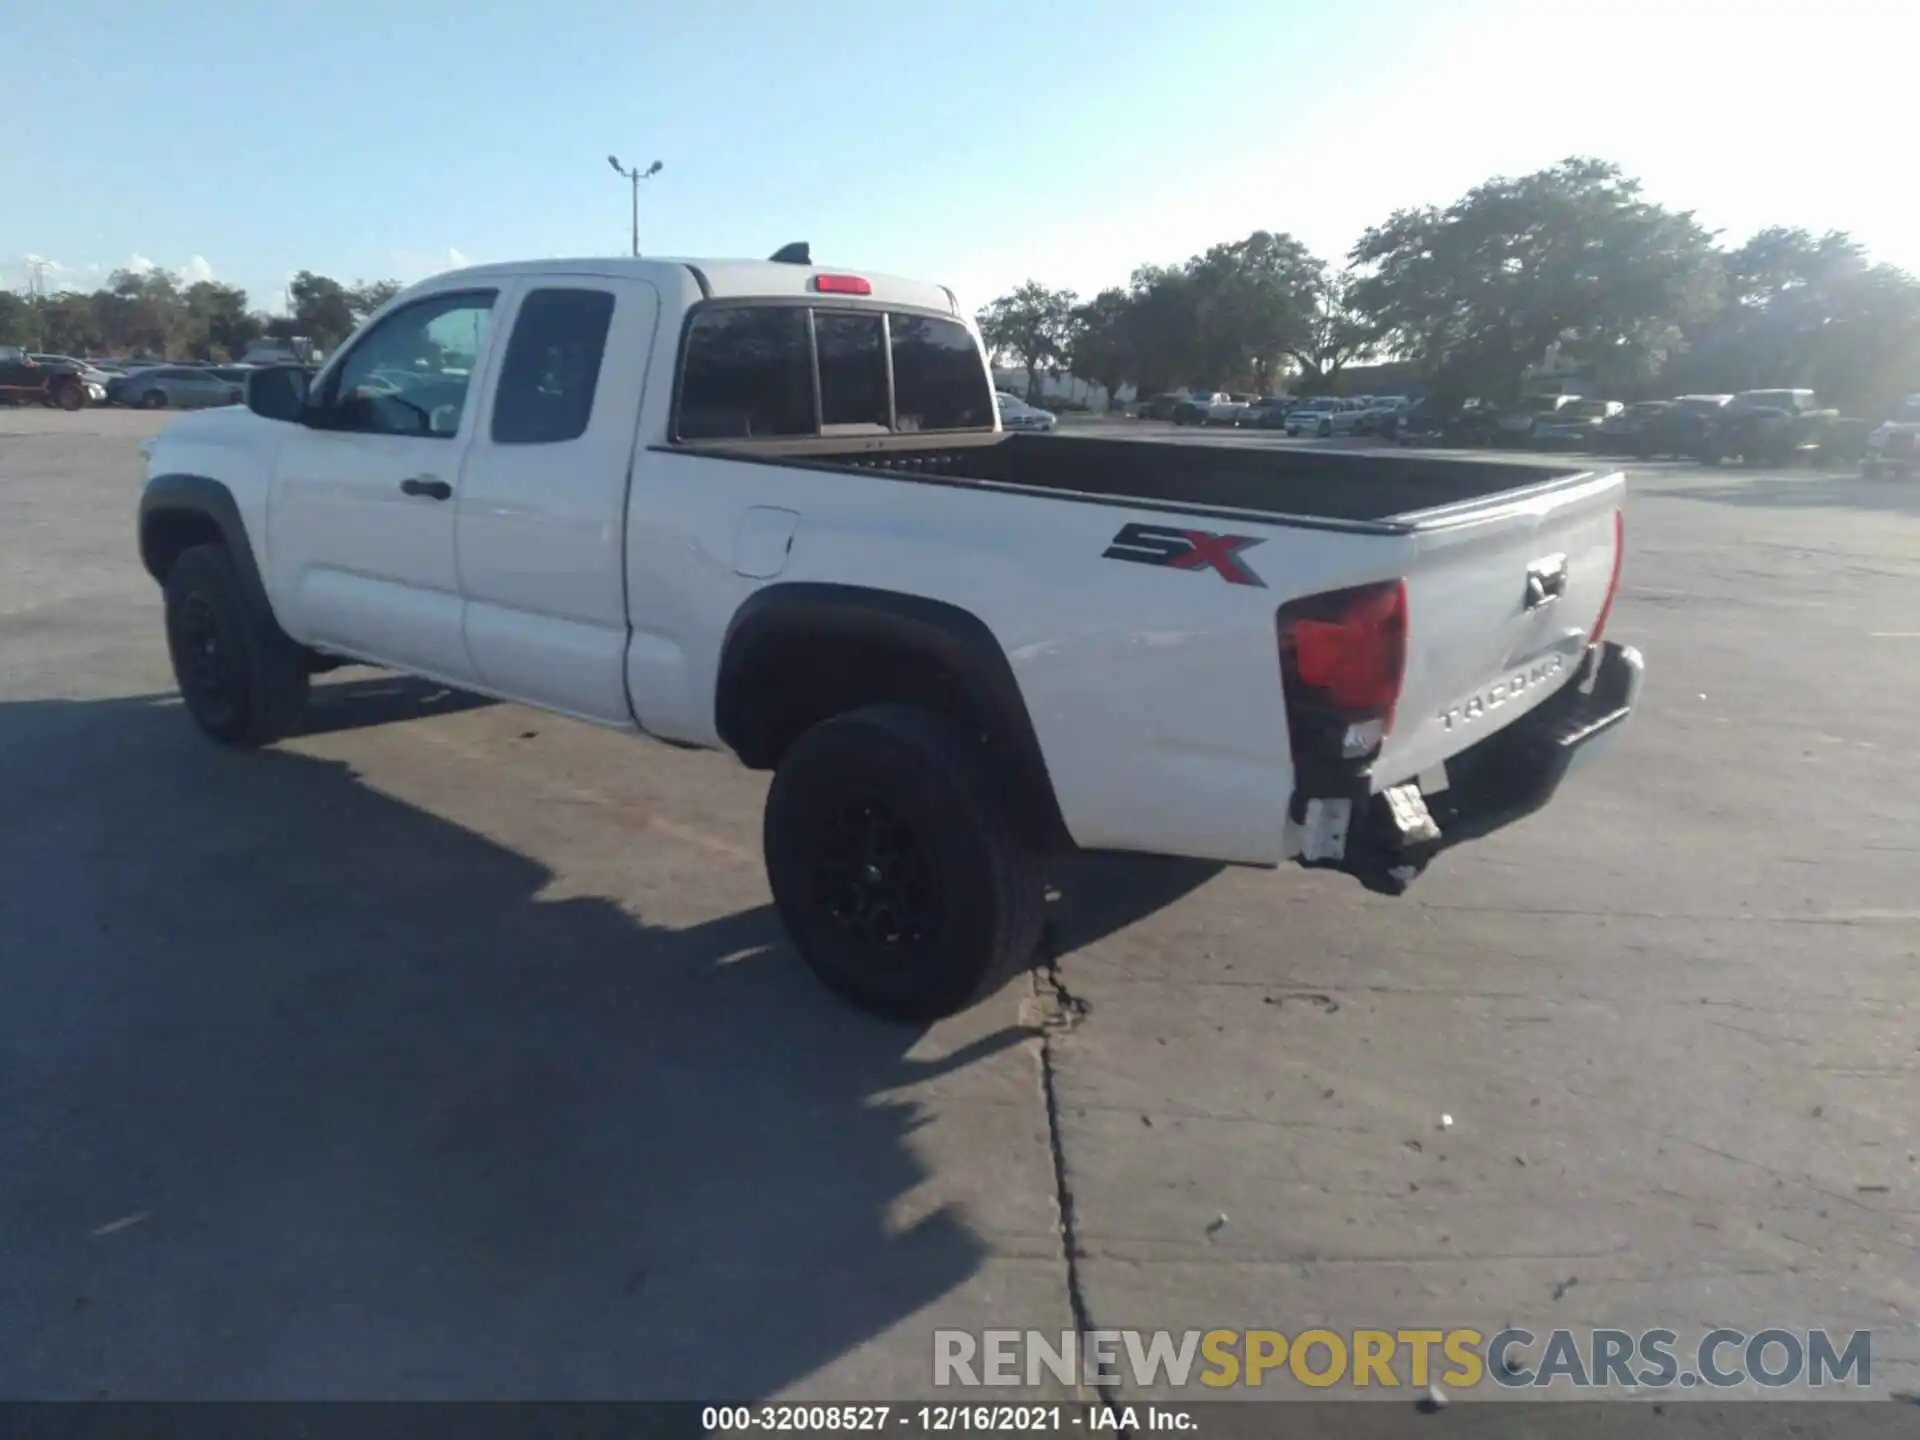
(360, 527)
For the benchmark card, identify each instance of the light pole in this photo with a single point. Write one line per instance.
(636, 175)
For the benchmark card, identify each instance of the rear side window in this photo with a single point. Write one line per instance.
(747, 375)
(853, 369)
(552, 367)
(938, 380)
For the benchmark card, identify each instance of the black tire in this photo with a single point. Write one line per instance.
(243, 681)
(154, 400)
(1325, 430)
(69, 395)
(897, 865)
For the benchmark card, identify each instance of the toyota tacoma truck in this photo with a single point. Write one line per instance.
(767, 507)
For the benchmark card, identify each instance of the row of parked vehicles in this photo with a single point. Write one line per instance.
(69, 383)
(1771, 428)
(1324, 415)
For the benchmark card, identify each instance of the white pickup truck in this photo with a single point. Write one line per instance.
(766, 506)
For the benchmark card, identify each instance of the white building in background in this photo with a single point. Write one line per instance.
(1068, 388)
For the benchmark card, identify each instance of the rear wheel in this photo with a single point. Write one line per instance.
(242, 680)
(897, 864)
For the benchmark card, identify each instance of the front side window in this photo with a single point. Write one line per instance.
(411, 374)
(747, 375)
(552, 367)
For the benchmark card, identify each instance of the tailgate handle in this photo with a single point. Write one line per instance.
(1546, 580)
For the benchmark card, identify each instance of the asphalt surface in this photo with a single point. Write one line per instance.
(453, 1050)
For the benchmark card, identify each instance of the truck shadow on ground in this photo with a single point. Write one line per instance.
(311, 1093)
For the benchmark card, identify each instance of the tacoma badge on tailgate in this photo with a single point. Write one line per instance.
(1186, 550)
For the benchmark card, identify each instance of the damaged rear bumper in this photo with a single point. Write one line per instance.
(1385, 840)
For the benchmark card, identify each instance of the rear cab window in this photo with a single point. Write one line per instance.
(759, 370)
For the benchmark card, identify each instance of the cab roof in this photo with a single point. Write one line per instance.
(693, 279)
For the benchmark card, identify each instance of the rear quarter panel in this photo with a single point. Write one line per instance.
(1155, 692)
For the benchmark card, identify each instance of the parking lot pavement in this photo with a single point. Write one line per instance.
(451, 1049)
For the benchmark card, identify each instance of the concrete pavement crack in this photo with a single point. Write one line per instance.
(1057, 1010)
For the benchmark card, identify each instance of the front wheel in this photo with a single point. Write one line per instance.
(898, 867)
(70, 396)
(154, 400)
(243, 682)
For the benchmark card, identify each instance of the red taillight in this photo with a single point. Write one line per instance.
(841, 285)
(1613, 585)
(1349, 648)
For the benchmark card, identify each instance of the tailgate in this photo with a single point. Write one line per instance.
(1503, 599)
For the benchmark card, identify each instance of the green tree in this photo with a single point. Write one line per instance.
(1033, 326)
(1101, 347)
(68, 324)
(217, 325)
(1255, 302)
(18, 323)
(1809, 310)
(322, 309)
(141, 311)
(1335, 335)
(366, 296)
(1571, 257)
(1164, 329)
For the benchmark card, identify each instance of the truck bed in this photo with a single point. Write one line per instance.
(1354, 488)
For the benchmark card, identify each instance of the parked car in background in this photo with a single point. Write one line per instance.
(1233, 411)
(1313, 417)
(1890, 448)
(1379, 413)
(94, 379)
(1160, 407)
(1623, 433)
(1199, 406)
(1269, 412)
(1680, 428)
(1348, 417)
(25, 379)
(1518, 423)
(1767, 427)
(1438, 422)
(1017, 414)
(175, 387)
(1576, 425)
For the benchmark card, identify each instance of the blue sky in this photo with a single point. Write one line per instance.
(976, 145)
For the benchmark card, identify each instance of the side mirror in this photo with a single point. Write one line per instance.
(278, 392)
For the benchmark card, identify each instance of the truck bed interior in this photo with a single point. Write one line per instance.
(1289, 482)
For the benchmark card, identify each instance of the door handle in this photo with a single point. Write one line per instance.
(427, 485)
